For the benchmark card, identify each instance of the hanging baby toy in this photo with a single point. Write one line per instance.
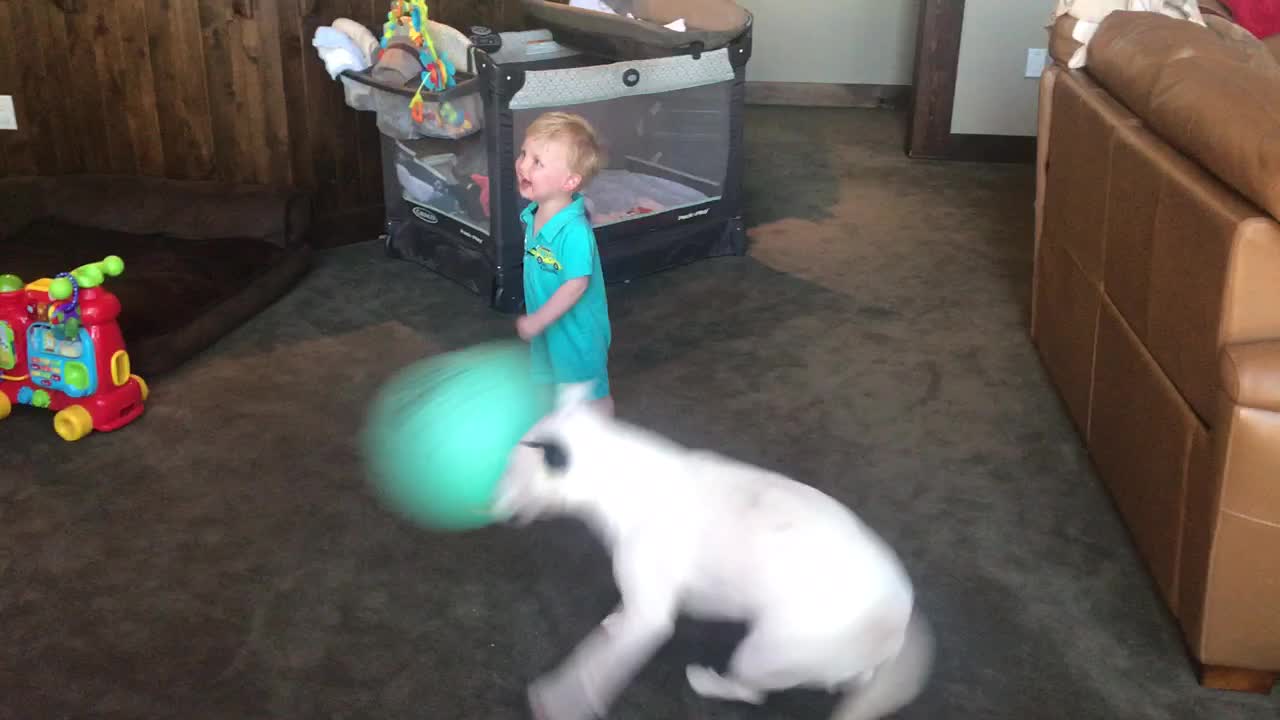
(66, 314)
(437, 73)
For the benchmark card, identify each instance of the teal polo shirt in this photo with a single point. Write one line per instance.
(574, 348)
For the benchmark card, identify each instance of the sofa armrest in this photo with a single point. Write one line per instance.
(1250, 374)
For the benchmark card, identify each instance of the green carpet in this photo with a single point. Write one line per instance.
(222, 558)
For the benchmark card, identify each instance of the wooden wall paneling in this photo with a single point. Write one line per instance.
(17, 148)
(9, 141)
(261, 42)
(71, 117)
(233, 126)
(322, 150)
(249, 118)
(333, 132)
(294, 49)
(128, 32)
(109, 76)
(220, 85)
(182, 98)
(123, 70)
(193, 89)
(88, 106)
(371, 13)
(44, 100)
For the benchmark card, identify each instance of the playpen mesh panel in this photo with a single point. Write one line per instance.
(446, 177)
(596, 83)
(663, 151)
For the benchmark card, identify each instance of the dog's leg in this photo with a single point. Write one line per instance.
(787, 650)
(896, 682)
(710, 684)
(766, 661)
(592, 677)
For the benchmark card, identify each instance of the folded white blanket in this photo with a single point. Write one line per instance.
(359, 35)
(338, 51)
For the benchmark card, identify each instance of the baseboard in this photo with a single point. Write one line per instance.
(969, 147)
(813, 94)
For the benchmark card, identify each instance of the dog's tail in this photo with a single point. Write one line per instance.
(895, 683)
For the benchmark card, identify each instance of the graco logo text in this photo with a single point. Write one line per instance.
(686, 216)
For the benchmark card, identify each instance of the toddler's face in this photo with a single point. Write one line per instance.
(542, 169)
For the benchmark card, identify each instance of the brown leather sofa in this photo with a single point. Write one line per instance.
(1156, 310)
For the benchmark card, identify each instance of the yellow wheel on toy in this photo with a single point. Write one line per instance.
(5, 406)
(72, 423)
(142, 385)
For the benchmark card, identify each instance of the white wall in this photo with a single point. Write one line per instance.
(833, 41)
(993, 97)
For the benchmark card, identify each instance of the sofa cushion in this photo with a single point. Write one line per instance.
(1216, 101)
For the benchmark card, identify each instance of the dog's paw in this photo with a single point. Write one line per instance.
(710, 684)
(556, 697)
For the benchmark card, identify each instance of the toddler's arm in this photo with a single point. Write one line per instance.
(557, 305)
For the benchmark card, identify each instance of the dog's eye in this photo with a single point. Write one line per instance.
(553, 454)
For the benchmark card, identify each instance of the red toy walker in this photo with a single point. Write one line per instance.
(61, 349)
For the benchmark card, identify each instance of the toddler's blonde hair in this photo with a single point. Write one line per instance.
(585, 156)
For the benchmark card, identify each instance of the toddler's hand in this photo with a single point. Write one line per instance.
(527, 327)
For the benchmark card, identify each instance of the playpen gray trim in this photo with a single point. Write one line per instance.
(493, 265)
(597, 83)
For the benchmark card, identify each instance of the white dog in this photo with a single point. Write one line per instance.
(690, 532)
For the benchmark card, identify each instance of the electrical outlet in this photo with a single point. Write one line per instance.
(1036, 60)
(8, 118)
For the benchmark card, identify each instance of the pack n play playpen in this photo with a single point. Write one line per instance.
(661, 81)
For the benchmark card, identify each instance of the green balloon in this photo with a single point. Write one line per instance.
(440, 432)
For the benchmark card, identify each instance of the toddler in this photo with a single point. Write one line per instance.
(567, 320)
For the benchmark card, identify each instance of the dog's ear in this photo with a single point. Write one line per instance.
(554, 454)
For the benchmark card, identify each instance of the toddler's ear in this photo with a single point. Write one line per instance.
(572, 183)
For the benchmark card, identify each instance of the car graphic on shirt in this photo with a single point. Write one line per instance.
(545, 257)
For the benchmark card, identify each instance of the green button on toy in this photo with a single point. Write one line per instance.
(10, 283)
(77, 376)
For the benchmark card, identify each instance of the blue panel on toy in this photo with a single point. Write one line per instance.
(58, 363)
(440, 433)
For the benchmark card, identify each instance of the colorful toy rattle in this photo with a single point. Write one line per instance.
(438, 72)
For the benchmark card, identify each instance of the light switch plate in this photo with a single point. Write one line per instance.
(1036, 59)
(8, 118)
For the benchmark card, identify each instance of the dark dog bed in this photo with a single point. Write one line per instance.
(200, 258)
